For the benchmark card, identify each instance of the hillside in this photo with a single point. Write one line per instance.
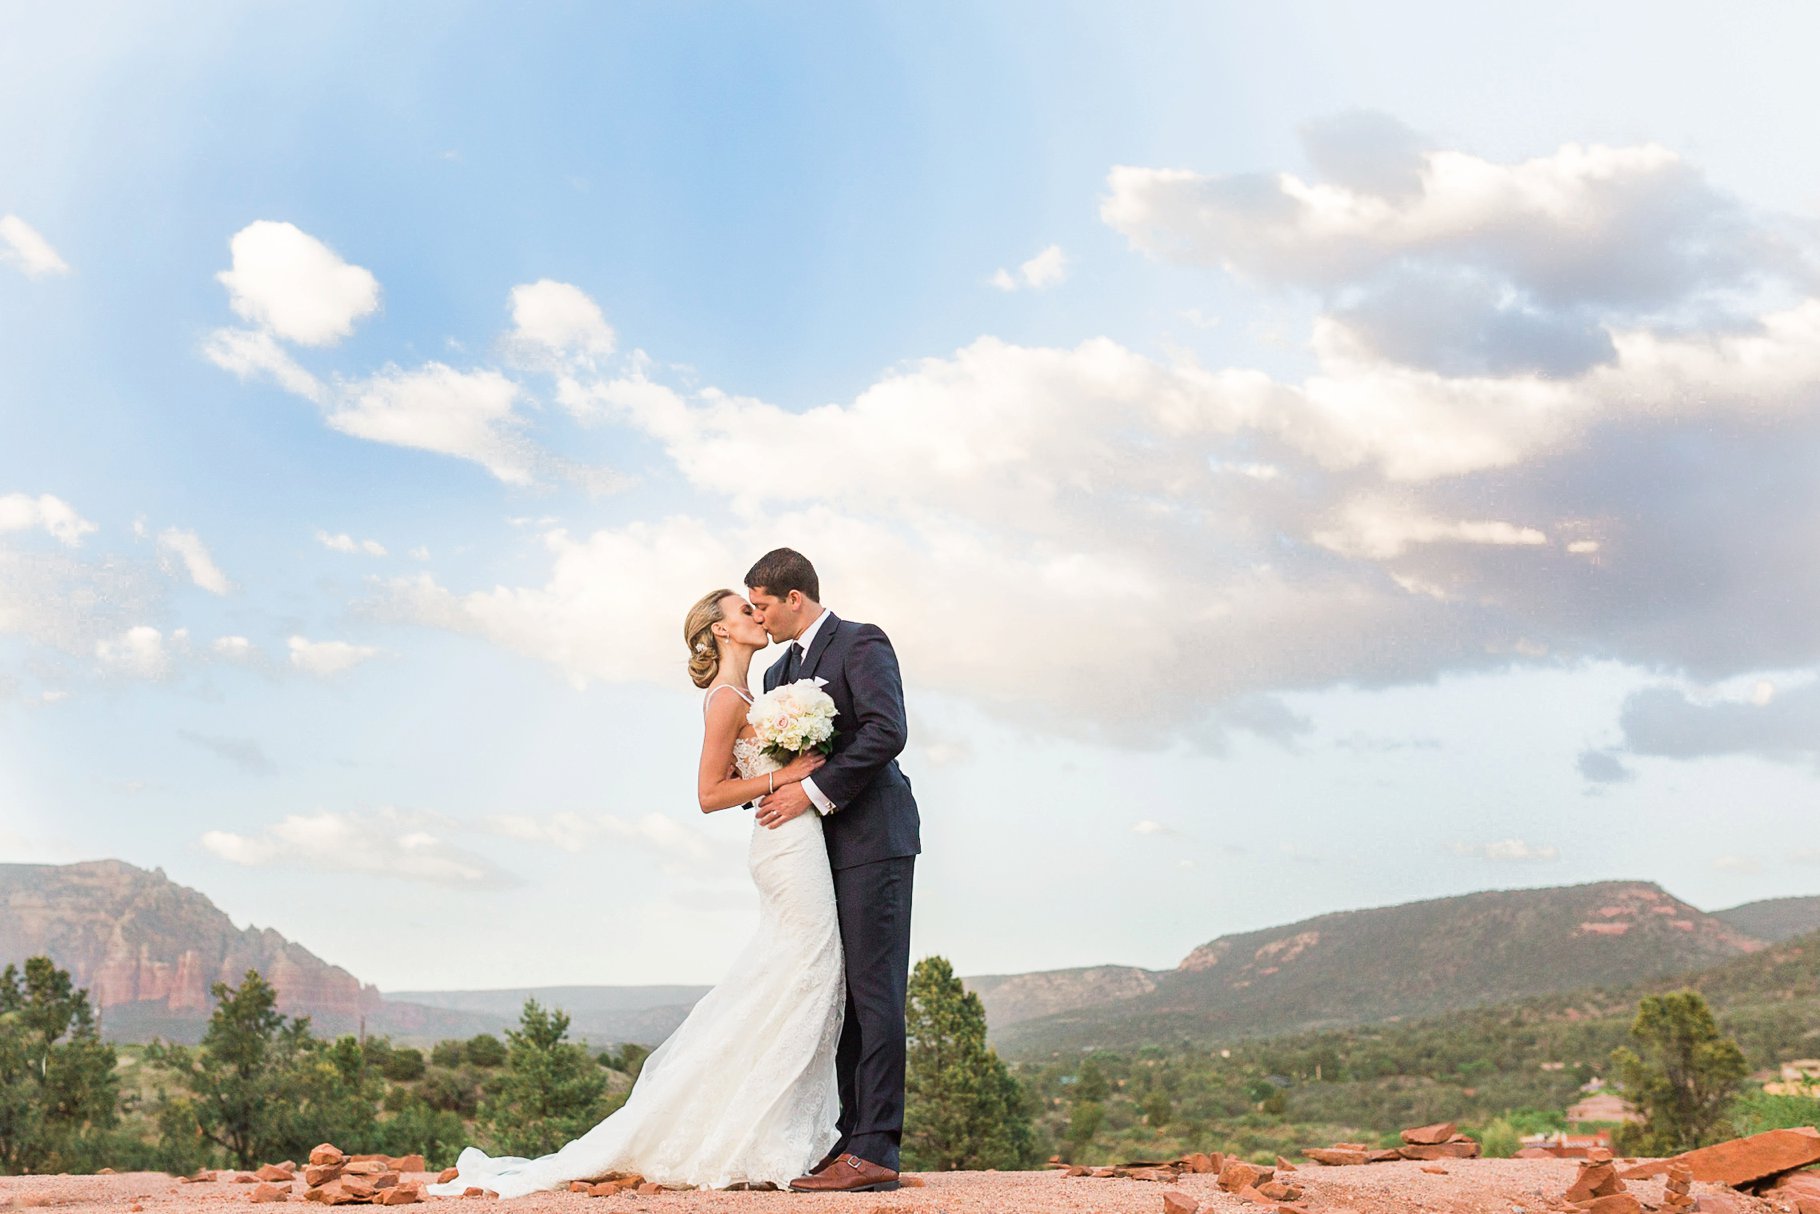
(606, 1014)
(1417, 959)
(1775, 918)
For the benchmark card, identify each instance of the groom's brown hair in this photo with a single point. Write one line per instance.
(782, 570)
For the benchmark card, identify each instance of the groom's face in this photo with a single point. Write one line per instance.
(782, 618)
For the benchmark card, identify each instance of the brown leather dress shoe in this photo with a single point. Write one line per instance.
(847, 1174)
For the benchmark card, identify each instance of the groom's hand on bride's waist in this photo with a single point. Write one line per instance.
(782, 805)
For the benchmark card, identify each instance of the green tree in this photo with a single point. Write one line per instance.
(1084, 1121)
(337, 1097)
(418, 1129)
(242, 1094)
(485, 1050)
(58, 1091)
(446, 1053)
(402, 1065)
(1681, 1076)
(962, 1107)
(629, 1060)
(1091, 1083)
(552, 1089)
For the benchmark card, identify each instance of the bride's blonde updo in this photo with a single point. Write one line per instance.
(698, 635)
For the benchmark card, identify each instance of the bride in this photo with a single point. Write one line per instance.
(744, 1091)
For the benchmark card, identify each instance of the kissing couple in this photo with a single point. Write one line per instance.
(790, 1073)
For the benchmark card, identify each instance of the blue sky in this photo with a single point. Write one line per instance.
(1307, 457)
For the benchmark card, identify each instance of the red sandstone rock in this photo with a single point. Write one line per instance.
(447, 1175)
(275, 1172)
(1594, 1180)
(1721, 1202)
(269, 1192)
(1283, 1165)
(246, 1178)
(1237, 1175)
(1335, 1156)
(908, 1182)
(364, 1167)
(1613, 1203)
(1177, 1202)
(410, 1163)
(1800, 1189)
(1280, 1190)
(1387, 1155)
(1534, 1153)
(649, 1189)
(1075, 1170)
(327, 1152)
(1441, 1150)
(1744, 1160)
(400, 1195)
(1428, 1135)
(321, 1173)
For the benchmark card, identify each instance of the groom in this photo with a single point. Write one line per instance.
(870, 822)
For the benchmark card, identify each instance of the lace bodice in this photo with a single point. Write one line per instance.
(749, 755)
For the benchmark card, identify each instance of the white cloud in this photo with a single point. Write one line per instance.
(1403, 527)
(1737, 864)
(187, 547)
(343, 542)
(22, 247)
(1511, 851)
(1047, 269)
(1447, 261)
(288, 282)
(466, 414)
(674, 562)
(1619, 224)
(554, 322)
(233, 648)
(388, 842)
(22, 512)
(141, 652)
(324, 658)
(665, 837)
(254, 354)
(1377, 529)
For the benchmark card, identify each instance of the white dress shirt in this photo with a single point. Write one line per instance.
(817, 797)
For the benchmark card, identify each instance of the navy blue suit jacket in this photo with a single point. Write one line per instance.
(875, 814)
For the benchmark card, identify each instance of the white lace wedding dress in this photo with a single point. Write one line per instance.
(744, 1091)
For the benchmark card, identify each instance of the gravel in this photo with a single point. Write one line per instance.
(1470, 1186)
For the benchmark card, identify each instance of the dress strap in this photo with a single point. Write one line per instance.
(709, 698)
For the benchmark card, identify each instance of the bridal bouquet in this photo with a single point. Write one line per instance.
(794, 719)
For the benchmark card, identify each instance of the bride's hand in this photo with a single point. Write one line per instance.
(802, 767)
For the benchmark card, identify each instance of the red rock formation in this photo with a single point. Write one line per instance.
(137, 939)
